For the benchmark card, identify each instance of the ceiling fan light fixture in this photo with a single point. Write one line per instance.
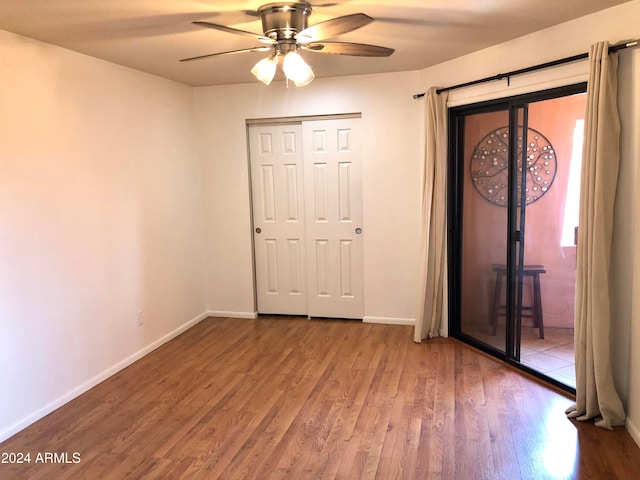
(297, 70)
(265, 69)
(286, 30)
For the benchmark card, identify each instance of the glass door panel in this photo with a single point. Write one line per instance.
(554, 157)
(483, 248)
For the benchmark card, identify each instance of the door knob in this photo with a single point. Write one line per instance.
(358, 231)
(258, 230)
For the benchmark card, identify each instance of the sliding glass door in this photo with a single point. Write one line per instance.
(513, 211)
(483, 227)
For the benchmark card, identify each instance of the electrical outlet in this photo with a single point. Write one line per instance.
(140, 318)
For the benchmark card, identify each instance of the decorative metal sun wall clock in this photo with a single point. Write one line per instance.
(490, 162)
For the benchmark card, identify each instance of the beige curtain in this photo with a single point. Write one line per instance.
(596, 396)
(432, 298)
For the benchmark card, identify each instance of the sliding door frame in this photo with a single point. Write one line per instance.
(515, 236)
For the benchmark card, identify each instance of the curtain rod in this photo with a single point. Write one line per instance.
(508, 75)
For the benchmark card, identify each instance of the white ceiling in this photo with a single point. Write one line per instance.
(152, 35)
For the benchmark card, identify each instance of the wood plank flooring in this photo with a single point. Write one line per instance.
(291, 398)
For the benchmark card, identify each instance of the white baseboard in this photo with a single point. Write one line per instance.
(84, 387)
(390, 321)
(633, 430)
(247, 315)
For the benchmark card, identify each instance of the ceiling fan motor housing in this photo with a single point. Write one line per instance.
(282, 21)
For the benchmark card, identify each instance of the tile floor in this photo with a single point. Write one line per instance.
(553, 355)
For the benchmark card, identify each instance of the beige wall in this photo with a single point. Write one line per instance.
(100, 217)
(391, 122)
(626, 241)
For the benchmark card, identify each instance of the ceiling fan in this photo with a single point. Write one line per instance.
(286, 32)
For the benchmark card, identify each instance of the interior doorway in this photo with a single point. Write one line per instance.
(514, 192)
(307, 217)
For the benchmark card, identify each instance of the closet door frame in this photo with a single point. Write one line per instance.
(342, 294)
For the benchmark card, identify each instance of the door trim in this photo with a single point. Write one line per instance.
(272, 121)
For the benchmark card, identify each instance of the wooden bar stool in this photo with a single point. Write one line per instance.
(533, 311)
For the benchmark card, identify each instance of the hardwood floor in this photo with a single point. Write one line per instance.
(291, 398)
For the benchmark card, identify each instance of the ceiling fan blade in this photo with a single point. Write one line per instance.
(224, 28)
(230, 52)
(333, 28)
(345, 48)
(251, 13)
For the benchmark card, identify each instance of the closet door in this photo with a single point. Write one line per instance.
(307, 216)
(334, 231)
(278, 218)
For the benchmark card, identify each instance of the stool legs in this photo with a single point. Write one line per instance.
(495, 306)
(535, 309)
(537, 305)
